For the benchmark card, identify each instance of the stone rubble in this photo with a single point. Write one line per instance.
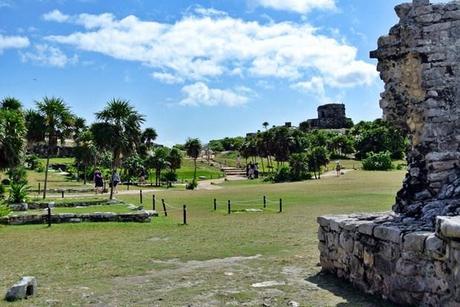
(23, 289)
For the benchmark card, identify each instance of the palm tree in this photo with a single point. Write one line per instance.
(57, 122)
(12, 133)
(265, 125)
(85, 151)
(118, 129)
(35, 128)
(193, 149)
(148, 137)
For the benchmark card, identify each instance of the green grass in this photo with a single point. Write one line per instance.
(58, 161)
(203, 170)
(139, 264)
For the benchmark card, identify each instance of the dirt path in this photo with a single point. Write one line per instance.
(214, 183)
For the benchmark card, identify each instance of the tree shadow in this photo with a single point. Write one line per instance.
(344, 289)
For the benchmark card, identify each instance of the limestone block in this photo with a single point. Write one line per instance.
(448, 227)
(367, 228)
(346, 242)
(435, 247)
(26, 287)
(414, 241)
(388, 233)
(18, 207)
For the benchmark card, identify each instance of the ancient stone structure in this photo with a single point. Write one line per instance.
(419, 61)
(412, 256)
(330, 116)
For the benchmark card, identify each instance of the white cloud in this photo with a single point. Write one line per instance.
(200, 94)
(200, 47)
(49, 56)
(167, 78)
(299, 6)
(315, 86)
(56, 15)
(13, 42)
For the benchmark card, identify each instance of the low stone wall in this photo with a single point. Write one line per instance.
(397, 259)
(138, 217)
(76, 203)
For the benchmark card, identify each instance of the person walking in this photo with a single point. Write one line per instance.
(338, 168)
(115, 181)
(98, 182)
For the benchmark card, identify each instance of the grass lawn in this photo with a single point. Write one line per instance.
(203, 170)
(214, 260)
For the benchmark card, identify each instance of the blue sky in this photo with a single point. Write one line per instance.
(207, 69)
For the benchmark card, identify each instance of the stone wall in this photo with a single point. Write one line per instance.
(393, 260)
(143, 216)
(419, 61)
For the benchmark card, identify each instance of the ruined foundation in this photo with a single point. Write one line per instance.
(412, 255)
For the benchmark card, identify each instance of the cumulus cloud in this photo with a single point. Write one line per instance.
(56, 15)
(44, 54)
(299, 6)
(200, 94)
(315, 86)
(13, 42)
(209, 44)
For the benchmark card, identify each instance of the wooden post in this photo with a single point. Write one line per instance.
(265, 202)
(281, 205)
(185, 214)
(49, 215)
(229, 207)
(164, 207)
(140, 196)
(153, 202)
(62, 193)
(215, 204)
(128, 184)
(39, 188)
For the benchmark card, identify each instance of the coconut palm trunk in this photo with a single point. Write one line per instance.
(48, 153)
(194, 172)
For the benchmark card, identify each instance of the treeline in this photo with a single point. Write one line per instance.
(115, 140)
(289, 153)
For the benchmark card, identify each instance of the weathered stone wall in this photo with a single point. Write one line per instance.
(419, 61)
(420, 268)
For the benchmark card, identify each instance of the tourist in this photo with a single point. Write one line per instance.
(142, 176)
(256, 170)
(338, 168)
(115, 181)
(98, 181)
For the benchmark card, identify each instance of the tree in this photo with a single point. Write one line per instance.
(317, 157)
(57, 122)
(298, 163)
(175, 159)
(158, 161)
(265, 125)
(35, 124)
(118, 129)
(12, 133)
(193, 148)
(85, 151)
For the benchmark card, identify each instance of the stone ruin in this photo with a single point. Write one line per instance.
(412, 256)
(330, 116)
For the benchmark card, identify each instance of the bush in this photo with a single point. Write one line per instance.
(2, 191)
(18, 193)
(191, 185)
(283, 174)
(4, 209)
(169, 177)
(6, 181)
(380, 161)
(32, 161)
(18, 175)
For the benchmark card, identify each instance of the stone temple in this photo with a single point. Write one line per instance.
(330, 116)
(412, 255)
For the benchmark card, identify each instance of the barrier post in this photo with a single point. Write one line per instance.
(229, 207)
(140, 196)
(215, 204)
(62, 193)
(164, 207)
(153, 202)
(185, 214)
(265, 202)
(281, 205)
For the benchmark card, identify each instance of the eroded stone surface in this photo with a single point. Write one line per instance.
(419, 63)
(26, 287)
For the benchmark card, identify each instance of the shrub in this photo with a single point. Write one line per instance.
(169, 176)
(2, 191)
(32, 161)
(283, 174)
(18, 175)
(380, 161)
(191, 185)
(18, 193)
(4, 210)
(6, 181)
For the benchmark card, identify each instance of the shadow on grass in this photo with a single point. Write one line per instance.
(344, 289)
